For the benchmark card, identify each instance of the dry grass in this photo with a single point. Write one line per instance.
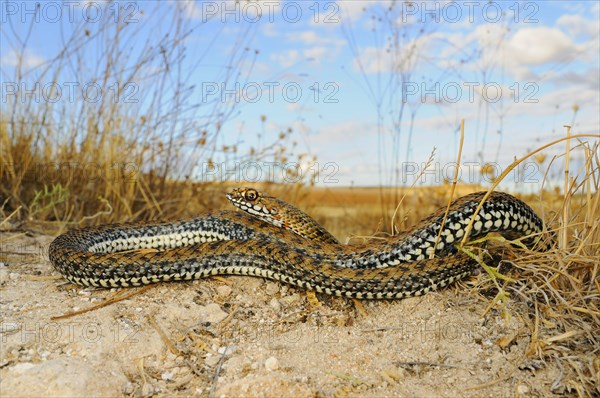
(138, 152)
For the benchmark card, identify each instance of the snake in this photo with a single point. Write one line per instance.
(274, 240)
(279, 213)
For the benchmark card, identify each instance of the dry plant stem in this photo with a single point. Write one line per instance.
(562, 244)
(429, 161)
(509, 169)
(215, 377)
(534, 343)
(432, 364)
(140, 365)
(454, 182)
(99, 213)
(114, 299)
(163, 335)
(7, 219)
(589, 158)
(592, 204)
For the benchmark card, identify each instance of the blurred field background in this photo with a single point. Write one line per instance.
(72, 164)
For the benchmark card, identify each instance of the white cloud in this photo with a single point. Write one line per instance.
(577, 25)
(311, 38)
(321, 46)
(342, 132)
(28, 59)
(520, 53)
(294, 107)
(306, 37)
(287, 59)
(541, 45)
(372, 60)
(589, 78)
(262, 68)
(317, 53)
(270, 31)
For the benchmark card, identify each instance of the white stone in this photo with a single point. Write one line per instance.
(272, 288)
(274, 303)
(224, 291)
(212, 360)
(211, 313)
(167, 375)
(271, 364)
(4, 275)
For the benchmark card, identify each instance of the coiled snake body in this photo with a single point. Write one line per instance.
(267, 243)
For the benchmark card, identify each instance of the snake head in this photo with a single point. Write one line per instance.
(254, 202)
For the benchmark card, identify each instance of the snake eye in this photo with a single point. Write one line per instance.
(251, 194)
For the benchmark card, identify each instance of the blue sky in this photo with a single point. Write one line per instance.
(369, 90)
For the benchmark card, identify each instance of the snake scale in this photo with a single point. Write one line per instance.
(264, 240)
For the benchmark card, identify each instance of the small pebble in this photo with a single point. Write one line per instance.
(291, 299)
(211, 313)
(4, 275)
(226, 350)
(271, 364)
(274, 303)
(167, 375)
(127, 388)
(272, 288)
(224, 291)
(212, 360)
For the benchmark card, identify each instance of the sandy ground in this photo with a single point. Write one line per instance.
(243, 336)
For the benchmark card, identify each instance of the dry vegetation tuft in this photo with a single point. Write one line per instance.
(137, 150)
(560, 288)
